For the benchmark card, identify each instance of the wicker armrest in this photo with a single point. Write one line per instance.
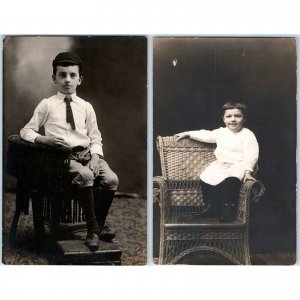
(254, 188)
(16, 141)
(159, 189)
(257, 191)
(38, 166)
(251, 191)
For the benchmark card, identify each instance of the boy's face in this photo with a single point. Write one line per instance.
(67, 78)
(234, 119)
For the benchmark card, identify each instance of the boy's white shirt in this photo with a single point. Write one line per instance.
(51, 113)
(235, 153)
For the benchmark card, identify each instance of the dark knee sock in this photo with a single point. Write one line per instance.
(229, 191)
(103, 200)
(86, 198)
(211, 194)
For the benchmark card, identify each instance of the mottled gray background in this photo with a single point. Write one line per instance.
(115, 82)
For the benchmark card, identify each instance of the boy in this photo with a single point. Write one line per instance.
(71, 122)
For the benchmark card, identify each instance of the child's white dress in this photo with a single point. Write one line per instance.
(235, 153)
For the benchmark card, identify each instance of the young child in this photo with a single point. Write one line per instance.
(71, 122)
(236, 158)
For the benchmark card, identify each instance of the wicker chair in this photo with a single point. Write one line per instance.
(42, 176)
(183, 227)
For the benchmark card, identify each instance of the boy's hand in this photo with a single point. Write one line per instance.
(182, 135)
(248, 176)
(50, 141)
(94, 164)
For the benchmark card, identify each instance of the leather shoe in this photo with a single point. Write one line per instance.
(106, 235)
(92, 241)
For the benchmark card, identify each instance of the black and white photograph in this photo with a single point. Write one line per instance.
(74, 150)
(224, 150)
(150, 149)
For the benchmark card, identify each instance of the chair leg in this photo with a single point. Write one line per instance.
(22, 200)
(247, 258)
(56, 207)
(38, 218)
(162, 247)
(14, 226)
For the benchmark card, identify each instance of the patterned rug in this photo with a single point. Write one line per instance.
(127, 218)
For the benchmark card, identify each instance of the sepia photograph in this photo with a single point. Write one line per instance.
(74, 150)
(224, 150)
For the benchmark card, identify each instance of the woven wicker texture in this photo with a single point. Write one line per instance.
(38, 166)
(232, 249)
(185, 196)
(182, 229)
(184, 159)
(70, 210)
(46, 170)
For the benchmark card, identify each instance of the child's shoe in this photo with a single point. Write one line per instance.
(92, 241)
(106, 235)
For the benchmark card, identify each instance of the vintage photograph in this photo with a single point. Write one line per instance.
(224, 147)
(74, 150)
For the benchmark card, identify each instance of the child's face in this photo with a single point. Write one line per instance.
(234, 119)
(67, 78)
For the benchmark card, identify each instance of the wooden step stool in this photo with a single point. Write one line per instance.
(75, 252)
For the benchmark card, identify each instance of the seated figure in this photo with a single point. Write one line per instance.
(70, 121)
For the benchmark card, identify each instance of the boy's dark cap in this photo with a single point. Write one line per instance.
(66, 57)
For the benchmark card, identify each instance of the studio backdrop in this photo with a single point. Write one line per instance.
(114, 82)
(194, 77)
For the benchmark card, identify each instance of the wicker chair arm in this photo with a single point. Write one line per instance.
(251, 191)
(254, 188)
(39, 166)
(18, 141)
(159, 189)
(257, 191)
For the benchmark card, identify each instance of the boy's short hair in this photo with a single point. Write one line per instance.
(233, 105)
(67, 59)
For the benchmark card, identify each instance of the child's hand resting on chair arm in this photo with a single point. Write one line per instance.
(248, 176)
(50, 141)
(182, 135)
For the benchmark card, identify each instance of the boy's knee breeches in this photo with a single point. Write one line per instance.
(82, 176)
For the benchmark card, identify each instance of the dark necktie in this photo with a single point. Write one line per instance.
(70, 118)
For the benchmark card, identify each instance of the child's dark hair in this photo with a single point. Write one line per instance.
(66, 59)
(232, 105)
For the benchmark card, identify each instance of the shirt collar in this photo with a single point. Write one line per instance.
(61, 96)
